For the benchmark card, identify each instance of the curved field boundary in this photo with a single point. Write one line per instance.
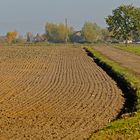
(54, 93)
(127, 80)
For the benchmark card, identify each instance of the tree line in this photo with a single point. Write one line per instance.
(61, 33)
(122, 26)
(90, 32)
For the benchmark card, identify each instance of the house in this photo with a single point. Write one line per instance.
(40, 38)
(77, 37)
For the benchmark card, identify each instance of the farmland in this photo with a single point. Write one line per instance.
(54, 93)
(126, 59)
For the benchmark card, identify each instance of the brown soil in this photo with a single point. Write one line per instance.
(125, 59)
(51, 93)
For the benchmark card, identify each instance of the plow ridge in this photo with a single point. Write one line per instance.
(54, 93)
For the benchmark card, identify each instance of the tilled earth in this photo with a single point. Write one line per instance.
(51, 93)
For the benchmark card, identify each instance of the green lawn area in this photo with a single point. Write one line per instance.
(122, 129)
(134, 48)
(128, 127)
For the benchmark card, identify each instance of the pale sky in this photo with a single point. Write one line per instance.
(31, 15)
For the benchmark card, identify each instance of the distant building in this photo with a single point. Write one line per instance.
(77, 37)
(40, 38)
(128, 41)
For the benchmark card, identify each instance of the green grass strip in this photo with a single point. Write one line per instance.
(130, 77)
(127, 128)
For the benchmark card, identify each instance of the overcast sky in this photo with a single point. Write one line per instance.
(31, 15)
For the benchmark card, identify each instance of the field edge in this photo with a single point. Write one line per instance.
(122, 128)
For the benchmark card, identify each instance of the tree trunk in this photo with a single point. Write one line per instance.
(126, 42)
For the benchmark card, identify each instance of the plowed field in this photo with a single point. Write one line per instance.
(51, 93)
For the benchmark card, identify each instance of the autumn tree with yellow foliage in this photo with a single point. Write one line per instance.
(11, 36)
(58, 33)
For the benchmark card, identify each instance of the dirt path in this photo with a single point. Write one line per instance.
(51, 93)
(125, 59)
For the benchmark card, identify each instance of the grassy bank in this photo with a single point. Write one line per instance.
(122, 129)
(133, 48)
(128, 127)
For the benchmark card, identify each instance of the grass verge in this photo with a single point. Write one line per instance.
(122, 129)
(128, 127)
